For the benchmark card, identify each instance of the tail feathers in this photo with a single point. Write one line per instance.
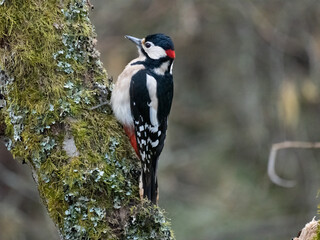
(150, 186)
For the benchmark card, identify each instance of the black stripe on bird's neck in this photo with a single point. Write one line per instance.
(155, 64)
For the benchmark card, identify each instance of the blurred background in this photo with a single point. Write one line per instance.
(247, 75)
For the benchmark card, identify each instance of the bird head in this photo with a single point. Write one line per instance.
(155, 46)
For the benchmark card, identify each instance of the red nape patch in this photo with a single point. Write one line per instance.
(170, 53)
(132, 137)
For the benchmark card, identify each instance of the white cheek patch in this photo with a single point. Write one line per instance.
(155, 52)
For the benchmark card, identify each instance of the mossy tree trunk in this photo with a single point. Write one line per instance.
(82, 163)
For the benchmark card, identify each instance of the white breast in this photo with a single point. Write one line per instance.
(120, 98)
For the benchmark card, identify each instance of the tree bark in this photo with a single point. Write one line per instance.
(82, 162)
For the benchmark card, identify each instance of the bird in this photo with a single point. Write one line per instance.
(141, 101)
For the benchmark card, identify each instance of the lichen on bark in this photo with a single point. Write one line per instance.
(54, 78)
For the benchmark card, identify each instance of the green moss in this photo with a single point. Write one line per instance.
(56, 77)
(147, 222)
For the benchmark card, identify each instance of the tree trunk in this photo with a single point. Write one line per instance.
(82, 163)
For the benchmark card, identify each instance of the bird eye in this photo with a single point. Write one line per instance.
(147, 45)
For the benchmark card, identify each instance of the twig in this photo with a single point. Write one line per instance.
(273, 155)
(100, 105)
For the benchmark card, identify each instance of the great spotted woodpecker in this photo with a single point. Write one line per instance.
(141, 101)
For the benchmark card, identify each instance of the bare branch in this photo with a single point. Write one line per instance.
(273, 155)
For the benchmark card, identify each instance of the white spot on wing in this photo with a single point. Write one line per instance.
(152, 89)
(155, 143)
(153, 129)
(153, 119)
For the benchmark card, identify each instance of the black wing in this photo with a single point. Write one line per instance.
(150, 138)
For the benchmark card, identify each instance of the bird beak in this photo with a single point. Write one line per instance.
(137, 41)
